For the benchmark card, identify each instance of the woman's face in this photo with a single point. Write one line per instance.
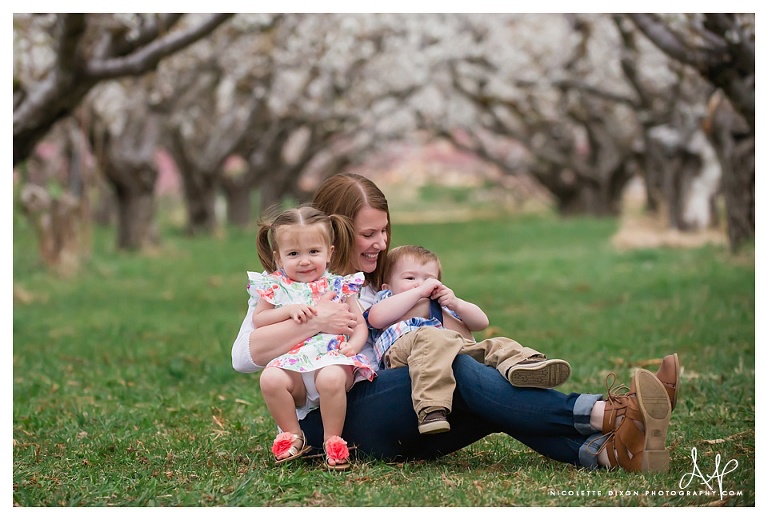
(370, 237)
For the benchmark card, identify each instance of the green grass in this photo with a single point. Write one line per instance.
(124, 394)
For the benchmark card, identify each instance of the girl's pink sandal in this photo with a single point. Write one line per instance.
(336, 449)
(295, 445)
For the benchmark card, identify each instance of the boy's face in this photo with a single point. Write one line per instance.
(302, 253)
(408, 273)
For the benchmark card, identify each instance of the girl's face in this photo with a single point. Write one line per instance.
(370, 238)
(303, 251)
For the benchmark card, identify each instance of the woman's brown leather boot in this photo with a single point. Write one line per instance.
(629, 445)
(669, 375)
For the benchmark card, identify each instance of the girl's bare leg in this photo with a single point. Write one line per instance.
(283, 391)
(332, 383)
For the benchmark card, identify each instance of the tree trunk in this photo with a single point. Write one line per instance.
(674, 169)
(576, 195)
(585, 199)
(103, 212)
(678, 176)
(740, 192)
(136, 217)
(200, 196)
(56, 200)
(57, 225)
(134, 189)
(270, 194)
(128, 163)
(734, 144)
(239, 207)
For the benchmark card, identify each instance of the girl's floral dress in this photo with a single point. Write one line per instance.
(322, 349)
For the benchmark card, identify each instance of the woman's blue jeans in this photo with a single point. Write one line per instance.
(381, 422)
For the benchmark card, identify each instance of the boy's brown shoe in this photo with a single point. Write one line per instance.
(539, 373)
(435, 422)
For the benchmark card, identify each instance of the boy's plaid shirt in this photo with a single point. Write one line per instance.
(383, 339)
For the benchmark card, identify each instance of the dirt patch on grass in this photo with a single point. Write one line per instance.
(647, 232)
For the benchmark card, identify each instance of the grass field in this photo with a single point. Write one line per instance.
(124, 394)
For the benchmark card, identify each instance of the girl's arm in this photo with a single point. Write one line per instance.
(359, 337)
(270, 341)
(391, 310)
(266, 314)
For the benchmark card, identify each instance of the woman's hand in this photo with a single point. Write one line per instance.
(334, 317)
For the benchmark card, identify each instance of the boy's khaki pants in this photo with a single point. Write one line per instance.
(428, 352)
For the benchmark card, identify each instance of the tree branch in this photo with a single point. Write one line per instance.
(654, 28)
(148, 57)
(153, 27)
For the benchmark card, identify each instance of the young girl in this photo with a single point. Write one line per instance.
(298, 246)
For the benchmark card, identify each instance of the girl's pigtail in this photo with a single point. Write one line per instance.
(344, 242)
(264, 248)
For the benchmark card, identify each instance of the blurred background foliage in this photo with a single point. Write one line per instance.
(122, 120)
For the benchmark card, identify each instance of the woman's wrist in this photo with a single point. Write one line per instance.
(268, 342)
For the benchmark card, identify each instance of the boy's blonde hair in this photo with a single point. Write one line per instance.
(417, 253)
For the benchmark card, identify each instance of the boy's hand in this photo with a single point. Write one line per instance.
(301, 313)
(446, 297)
(429, 287)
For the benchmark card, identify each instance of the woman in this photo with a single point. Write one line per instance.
(626, 430)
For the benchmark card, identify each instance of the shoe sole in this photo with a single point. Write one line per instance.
(654, 404)
(545, 374)
(673, 393)
(338, 467)
(306, 449)
(435, 427)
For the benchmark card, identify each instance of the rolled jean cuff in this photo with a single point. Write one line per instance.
(588, 451)
(582, 410)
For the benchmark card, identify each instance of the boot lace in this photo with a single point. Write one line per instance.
(616, 393)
